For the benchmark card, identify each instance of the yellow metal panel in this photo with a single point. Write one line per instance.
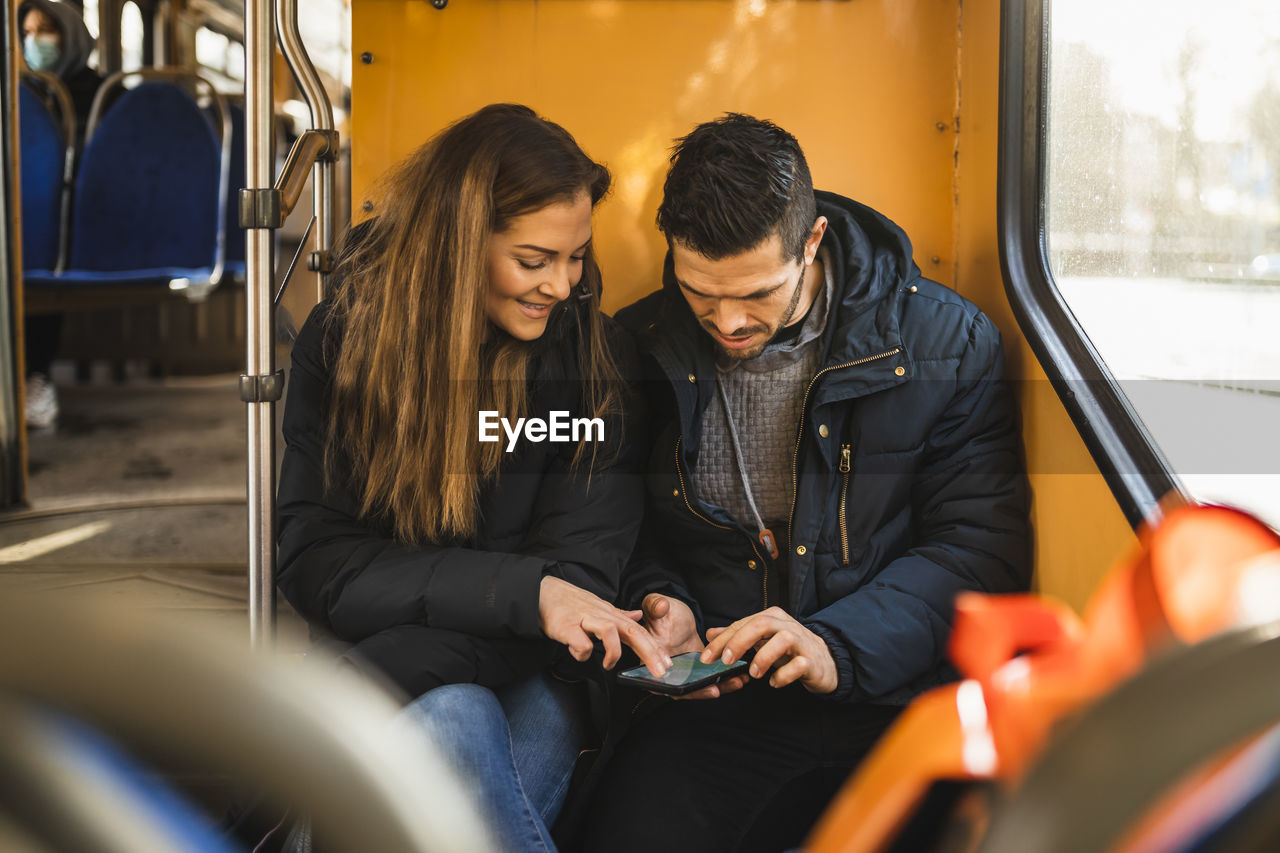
(894, 101)
(867, 87)
(1079, 528)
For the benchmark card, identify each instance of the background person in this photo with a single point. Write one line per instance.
(54, 40)
(457, 570)
(836, 457)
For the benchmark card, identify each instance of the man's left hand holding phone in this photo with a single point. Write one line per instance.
(671, 623)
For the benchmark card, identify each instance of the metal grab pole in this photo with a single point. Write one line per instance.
(260, 386)
(304, 72)
(263, 207)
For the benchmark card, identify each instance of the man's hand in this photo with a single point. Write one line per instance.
(671, 624)
(571, 615)
(779, 639)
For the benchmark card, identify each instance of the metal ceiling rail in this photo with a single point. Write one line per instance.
(264, 205)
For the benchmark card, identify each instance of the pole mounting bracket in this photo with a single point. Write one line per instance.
(261, 208)
(333, 146)
(262, 388)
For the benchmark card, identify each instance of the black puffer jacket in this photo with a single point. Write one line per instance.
(908, 465)
(461, 611)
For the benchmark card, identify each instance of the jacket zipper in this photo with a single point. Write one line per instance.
(804, 407)
(845, 467)
(684, 493)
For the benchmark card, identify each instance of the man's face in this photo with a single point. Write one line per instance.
(743, 300)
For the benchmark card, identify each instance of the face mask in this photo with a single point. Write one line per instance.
(41, 51)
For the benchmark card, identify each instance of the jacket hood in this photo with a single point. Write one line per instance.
(871, 254)
(77, 44)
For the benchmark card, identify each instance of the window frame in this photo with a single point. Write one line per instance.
(1131, 462)
(12, 426)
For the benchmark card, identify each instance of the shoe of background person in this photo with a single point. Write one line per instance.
(42, 401)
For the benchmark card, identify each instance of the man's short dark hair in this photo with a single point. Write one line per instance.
(734, 182)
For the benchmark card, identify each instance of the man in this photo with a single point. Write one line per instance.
(836, 458)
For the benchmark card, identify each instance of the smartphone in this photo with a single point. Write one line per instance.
(686, 674)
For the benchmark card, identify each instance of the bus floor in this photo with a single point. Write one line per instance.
(137, 499)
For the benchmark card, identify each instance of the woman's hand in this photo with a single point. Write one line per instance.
(571, 615)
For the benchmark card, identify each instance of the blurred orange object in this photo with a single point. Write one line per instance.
(1029, 662)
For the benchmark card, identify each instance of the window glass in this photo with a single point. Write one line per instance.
(90, 12)
(326, 32)
(211, 49)
(130, 37)
(235, 61)
(1163, 223)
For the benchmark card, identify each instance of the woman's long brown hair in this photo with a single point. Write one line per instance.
(408, 376)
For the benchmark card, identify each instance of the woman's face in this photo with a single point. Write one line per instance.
(41, 42)
(37, 23)
(535, 263)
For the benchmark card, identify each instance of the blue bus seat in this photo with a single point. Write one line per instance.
(159, 809)
(235, 245)
(43, 151)
(147, 197)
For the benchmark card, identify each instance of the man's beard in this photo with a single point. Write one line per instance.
(787, 315)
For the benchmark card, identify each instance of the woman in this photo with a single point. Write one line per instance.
(439, 557)
(55, 41)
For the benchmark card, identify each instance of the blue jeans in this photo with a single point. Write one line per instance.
(516, 747)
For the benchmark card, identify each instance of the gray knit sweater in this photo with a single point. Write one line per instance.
(765, 395)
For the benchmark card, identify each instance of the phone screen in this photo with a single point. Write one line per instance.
(685, 669)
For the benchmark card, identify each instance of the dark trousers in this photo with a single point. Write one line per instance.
(751, 771)
(43, 335)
